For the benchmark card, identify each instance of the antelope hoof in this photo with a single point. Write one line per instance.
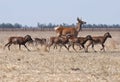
(86, 51)
(95, 51)
(29, 50)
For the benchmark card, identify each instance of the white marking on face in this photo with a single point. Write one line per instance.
(55, 28)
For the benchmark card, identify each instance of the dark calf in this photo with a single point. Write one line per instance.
(80, 41)
(41, 41)
(58, 41)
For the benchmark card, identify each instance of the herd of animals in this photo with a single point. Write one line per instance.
(66, 37)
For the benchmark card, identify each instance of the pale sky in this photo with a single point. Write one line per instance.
(29, 12)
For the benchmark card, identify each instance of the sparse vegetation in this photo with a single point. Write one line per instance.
(55, 66)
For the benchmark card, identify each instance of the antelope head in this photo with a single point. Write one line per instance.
(79, 24)
(81, 21)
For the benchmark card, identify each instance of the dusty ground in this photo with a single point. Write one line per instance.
(55, 66)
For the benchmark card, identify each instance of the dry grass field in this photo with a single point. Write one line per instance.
(54, 66)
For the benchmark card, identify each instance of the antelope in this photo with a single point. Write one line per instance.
(40, 41)
(18, 40)
(99, 40)
(61, 30)
(37, 41)
(58, 41)
(80, 41)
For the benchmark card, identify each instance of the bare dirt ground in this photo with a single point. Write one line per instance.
(55, 66)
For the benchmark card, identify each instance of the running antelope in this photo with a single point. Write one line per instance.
(99, 40)
(18, 40)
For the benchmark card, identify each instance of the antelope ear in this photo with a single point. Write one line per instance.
(78, 19)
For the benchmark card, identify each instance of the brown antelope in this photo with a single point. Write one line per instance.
(80, 41)
(18, 40)
(58, 41)
(61, 30)
(99, 40)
